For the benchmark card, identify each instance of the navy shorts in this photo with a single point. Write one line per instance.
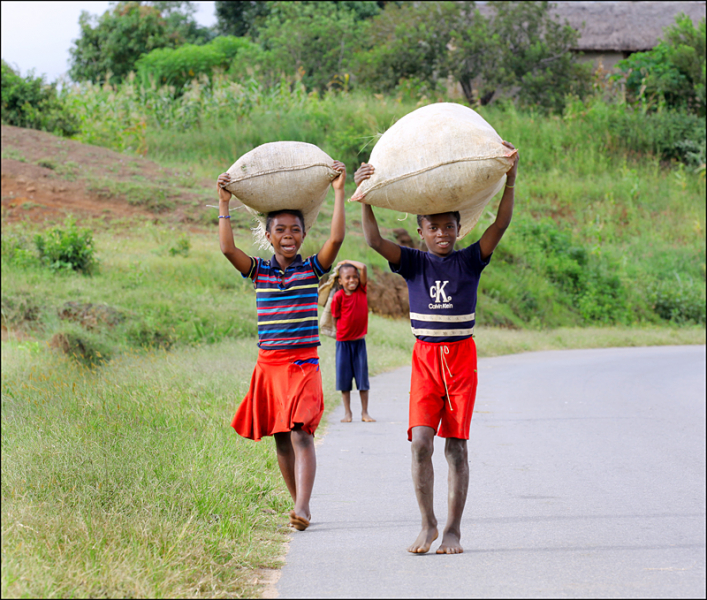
(351, 362)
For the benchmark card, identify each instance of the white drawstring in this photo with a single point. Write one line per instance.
(442, 351)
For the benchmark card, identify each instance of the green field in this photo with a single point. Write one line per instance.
(120, 474)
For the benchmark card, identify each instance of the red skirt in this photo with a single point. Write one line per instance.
(285, 390)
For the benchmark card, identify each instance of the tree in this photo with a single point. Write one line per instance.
(406, 41)
(113, 42)
(240, 18)
(314, 39)
(535, 55)
(672, 73)
(31, 102)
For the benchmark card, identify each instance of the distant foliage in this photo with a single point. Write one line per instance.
(519, 48)
(176, 66)
(673, 73)
(311, 40)
(109, 46)
(67, 248)
(31, 102)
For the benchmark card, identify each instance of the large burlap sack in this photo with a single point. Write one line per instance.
(438, 158)
(282, 175)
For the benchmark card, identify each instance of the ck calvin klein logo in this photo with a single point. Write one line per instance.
(437, 291)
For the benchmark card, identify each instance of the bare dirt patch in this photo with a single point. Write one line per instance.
(46, 178)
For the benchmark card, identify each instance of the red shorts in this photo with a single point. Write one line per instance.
(282, 394)
(445, 408)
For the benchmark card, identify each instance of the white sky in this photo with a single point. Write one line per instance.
(38, 35)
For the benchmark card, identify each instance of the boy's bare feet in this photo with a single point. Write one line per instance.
(424, 541)
(348, 417)
(366, 418)
(451, 544)
(299, 523)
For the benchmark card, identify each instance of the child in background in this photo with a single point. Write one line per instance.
(285, 398)
(442, 285)
(349, 308)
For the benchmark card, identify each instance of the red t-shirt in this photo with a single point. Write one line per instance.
(351, 313)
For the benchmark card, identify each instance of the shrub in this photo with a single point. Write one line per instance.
(176, 67)
(181, 247)
(68, 248)
(17, 250)
(31, 102)
(679, 301)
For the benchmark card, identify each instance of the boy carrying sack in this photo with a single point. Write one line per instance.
(285, 398)
(349, 308)
(442, 285)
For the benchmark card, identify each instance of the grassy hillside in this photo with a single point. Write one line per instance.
(121, 476)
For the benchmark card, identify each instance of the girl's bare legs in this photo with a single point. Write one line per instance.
(305, 469)
(286, 461)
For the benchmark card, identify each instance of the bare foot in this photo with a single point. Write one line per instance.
(424, 541)
(348, 417)
(366, 418)
(299, 523)
(451, 544)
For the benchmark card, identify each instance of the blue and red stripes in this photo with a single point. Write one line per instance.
(287, 302)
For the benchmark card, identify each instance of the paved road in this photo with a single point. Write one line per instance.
(587, 480)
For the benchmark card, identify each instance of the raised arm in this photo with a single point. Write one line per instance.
(327, 255)
(387, 249)
(362, 270)
(238, 258)
(492, 236)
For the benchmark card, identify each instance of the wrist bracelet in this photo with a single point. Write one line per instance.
(224, 216)
(510, 186)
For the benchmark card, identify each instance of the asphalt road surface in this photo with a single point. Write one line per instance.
(587, 479)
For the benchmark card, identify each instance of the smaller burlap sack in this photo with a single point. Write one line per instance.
(281, 175)
(439, 158)
(327, 324)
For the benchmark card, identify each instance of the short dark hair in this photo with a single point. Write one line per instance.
(286, 211)
(454, 213)
(348, 266)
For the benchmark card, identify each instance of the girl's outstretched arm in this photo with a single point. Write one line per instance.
(327, 255)
(238, 258)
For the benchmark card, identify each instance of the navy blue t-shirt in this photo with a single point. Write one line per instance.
(442, 292)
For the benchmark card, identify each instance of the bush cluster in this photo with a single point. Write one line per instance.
(67, 248)
(31, 102)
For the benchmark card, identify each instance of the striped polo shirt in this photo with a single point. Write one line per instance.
(286, 302)
(442, 292)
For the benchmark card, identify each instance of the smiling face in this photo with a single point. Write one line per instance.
(349, 278)
(286, 235)
(439, 232)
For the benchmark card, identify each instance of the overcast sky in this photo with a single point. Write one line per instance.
(38, 35)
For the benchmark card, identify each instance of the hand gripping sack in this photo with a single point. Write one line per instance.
(281, 175)
(439, 158)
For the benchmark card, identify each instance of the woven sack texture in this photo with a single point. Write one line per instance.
(327, 324)
(438, 158)
(281, 175)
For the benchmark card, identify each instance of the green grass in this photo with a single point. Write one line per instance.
(121, 475)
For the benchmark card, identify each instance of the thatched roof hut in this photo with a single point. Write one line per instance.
(623, 26)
